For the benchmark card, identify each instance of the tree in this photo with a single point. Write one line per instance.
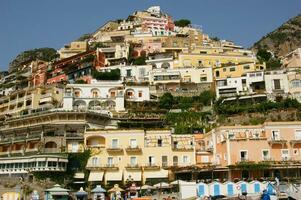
(111, 75)
(166, 101)
(182, 22)
(263, 55)
(139, 61)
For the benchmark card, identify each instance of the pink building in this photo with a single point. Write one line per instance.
(263, 151)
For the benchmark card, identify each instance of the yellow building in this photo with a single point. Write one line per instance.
(73, 48)
(137, 155)
(27, 100)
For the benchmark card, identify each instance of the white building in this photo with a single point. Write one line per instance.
(131, 73)
(187, 75)
(276, 84)
(161, 61)
(250, 84)
(103, 96)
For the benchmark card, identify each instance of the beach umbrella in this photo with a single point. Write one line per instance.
(162, 185)
(98, 189)
(147, 187)
(177, 182)
(116, 188)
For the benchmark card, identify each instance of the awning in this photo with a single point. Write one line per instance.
(79, 175)
(52, 159)
(95, 176)
(114, 176)
(135, 175)
(156, 174)
(40, 159)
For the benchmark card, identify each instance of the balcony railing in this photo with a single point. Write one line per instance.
(133, 149)
(133, 166)
(182, 148)
(114, 149)
(151, 166)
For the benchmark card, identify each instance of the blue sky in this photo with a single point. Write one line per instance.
(52, 23)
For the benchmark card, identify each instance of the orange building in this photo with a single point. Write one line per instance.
(270, 150)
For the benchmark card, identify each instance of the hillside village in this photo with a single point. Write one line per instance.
(149, 99)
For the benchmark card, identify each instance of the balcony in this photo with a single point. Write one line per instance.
(151, 166)
(133, 149)
(17, 152)
(182, 148)
(111, 167)
(209, 149)
(95, 146)
(277, 141)
(133, 167)
(295, 141)
(52, 150)
(94, 167)
(115, 149)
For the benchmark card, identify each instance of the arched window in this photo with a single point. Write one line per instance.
(51, 145)
(165, 65)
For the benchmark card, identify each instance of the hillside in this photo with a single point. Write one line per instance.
(46, 54)
(284, 39)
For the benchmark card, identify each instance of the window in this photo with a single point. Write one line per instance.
(151, 160)
(232, 69)
(231, 136)
(113, 93)
(205, 159)
(185, 159)
(77, 93)
(296, 83)
(243, 155)
(203, 79)
(95, 161)
(275, 135)
(133, 143)
(296, 152)
(110, 162)
(159, 142)
(94, 94)
(265, 154)
(128, 72)
(297, 134)
(133, 161)
(175, 161)
(277, 84)
(74, 147)
(285, 154)
(246, 67)
(140, 94)
(114, 143)
(217, 73)
(164, 161)
(224, 69)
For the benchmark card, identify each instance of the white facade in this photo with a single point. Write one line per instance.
(132, 73)
(187, 75)
(97, 96)
(276, 84)
(103, 96)
(164, 62)
(249, 84)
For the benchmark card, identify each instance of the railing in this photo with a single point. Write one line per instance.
(183, 148)
(133, 148)
(114, 148)
(132, 166)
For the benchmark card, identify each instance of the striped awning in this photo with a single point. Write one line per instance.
(114, 176)
(95, 176)
(156, 174)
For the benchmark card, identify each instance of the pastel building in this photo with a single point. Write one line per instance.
(144, 156)
(101, 96)
(224, 148)
(40, 142)
(276, 84)
(292, 59)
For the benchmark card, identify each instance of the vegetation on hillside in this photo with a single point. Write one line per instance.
(46, 54)
(182, 22)
(111, 75)
(284, 39)
(271, 62)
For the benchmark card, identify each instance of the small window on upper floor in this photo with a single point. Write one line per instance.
(160, 142)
